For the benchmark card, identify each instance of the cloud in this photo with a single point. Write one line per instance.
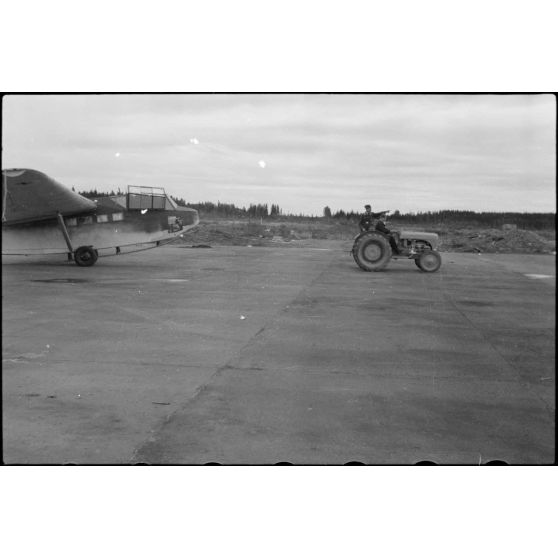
(483, 152)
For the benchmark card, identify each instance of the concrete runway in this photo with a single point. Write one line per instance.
(264, 355)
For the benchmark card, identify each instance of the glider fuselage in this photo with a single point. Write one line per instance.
(41, 216)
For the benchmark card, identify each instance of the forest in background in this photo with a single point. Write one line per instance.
(491, 219)
(535, 221)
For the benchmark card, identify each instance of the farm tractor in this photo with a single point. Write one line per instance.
(372, 249)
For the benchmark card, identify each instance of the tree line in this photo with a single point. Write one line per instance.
(483, 219)
(94, 193)
(458, 217)
(448, 216)
(231, 210)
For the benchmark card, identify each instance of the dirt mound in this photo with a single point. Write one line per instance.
(238, 233)
(230, 234)
(498, 241)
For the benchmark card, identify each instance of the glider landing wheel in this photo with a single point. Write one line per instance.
(85, 256)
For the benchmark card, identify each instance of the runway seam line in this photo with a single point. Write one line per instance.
(166, 420)
(479, 330)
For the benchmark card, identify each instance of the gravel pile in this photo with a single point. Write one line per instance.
(229, 235)
(498, 241)
(452, 240)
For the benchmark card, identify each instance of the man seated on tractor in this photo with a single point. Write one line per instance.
(370, 219)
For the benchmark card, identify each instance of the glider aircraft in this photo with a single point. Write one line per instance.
(42, 216)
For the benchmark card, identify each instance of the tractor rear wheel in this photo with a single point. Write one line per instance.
(371, 251)
(85, 256)
(429, 261)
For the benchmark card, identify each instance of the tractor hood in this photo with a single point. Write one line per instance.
(432, 238)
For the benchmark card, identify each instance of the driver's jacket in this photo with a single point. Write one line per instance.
(382, 228)
(372, 219)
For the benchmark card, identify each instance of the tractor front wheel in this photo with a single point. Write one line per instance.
(429, 261)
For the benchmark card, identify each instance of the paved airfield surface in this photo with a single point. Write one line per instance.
(264, 355)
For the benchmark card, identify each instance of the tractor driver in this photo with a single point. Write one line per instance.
(366, 222)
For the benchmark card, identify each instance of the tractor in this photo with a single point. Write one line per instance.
(372, 249)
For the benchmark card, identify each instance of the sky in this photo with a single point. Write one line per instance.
(301, 151)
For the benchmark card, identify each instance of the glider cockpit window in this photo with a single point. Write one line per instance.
(146, 197)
